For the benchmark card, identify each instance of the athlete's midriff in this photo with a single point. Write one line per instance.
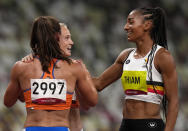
(135, 109)
(47, 118)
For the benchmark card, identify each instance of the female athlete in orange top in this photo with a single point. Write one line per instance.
(48, 99)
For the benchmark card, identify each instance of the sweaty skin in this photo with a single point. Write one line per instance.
(138, 32)
(74, 74)
(135, 109)
(74, 115)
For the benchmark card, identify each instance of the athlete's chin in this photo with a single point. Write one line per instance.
(68, 54)
(129, 39)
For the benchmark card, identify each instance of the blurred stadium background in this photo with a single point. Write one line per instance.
(97, 31)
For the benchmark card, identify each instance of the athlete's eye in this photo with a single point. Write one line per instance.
(67, 37)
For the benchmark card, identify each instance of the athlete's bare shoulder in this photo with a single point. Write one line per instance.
(163, 52)
(163, 55)
(78, 64)
(18, 68)
(79, 67)
(164, 59)
(125, 52)
(22, 65)
(123, 55)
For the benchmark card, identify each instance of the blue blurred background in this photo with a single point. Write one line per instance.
(97, 31)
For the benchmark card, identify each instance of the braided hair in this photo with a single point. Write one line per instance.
(158, 35)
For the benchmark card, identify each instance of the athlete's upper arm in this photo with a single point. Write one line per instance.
(85, 85)
(112, 73)
(167, 68)
(13, 91)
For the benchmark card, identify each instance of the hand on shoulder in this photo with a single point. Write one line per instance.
(28, 58)
(80, 67)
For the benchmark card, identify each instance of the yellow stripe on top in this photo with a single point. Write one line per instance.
(134, 80)
(156, 89)
(134, 83)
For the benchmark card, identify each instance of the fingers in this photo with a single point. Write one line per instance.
(83, 65)
(79, 61)
(28, 58)
(85, 69)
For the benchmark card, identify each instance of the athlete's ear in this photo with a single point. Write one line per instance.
(148, 25)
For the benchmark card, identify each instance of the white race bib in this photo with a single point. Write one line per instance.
(48, 91)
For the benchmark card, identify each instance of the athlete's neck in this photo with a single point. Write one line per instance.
(144, 46)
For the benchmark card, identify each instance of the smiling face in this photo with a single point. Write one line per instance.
(135, 26)
(65, 41)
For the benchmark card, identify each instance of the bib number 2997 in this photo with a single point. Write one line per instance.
(45, 86)
(48, 88)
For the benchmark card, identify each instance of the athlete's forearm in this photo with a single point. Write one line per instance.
(110, 75)
(172, 113)
(97, 84)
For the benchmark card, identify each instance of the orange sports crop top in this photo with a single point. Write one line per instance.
(48, 93)
(75, 101)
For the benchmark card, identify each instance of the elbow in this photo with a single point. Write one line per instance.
(8, 104)
(94, 101)
(99, 89)
(174, 104)
(97, 84)
(177, 104)
(86, 105)
(92, 104)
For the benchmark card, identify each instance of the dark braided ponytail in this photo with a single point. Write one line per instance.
(158, 35)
